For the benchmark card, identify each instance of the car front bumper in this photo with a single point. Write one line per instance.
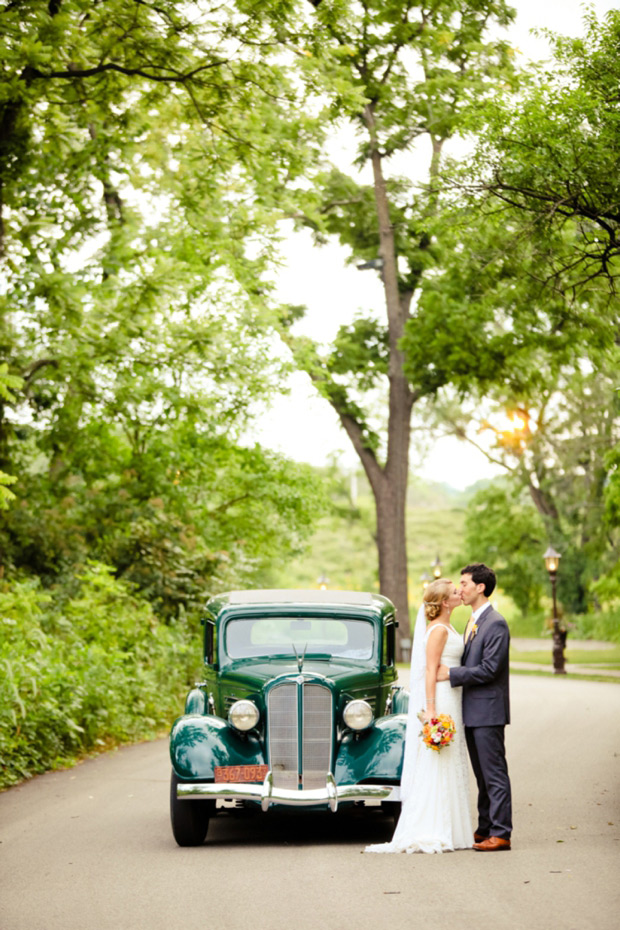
(266, 793)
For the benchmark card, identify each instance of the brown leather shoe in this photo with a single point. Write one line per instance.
(479, 837)
(492, 844)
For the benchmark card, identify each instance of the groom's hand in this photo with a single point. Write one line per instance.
(443, 673)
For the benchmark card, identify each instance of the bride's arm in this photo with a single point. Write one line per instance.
(434, 647)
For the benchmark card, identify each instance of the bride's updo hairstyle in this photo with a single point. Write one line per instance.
(434, 596)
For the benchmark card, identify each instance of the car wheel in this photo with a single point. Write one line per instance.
(189, 819)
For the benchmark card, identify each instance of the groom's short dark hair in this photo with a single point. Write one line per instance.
(481, 574)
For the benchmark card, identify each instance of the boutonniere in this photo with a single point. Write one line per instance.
(474, 630)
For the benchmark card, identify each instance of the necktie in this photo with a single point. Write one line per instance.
(469, 627)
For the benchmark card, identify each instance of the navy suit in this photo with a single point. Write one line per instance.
(483, 676)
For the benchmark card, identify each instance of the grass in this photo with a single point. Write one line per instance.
(548, 671)
(544, 670)
(344, 549)
(609, 658)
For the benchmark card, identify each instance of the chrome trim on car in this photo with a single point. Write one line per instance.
(300, 732)
(317, 736)
(266, 794)
(266, 791)
(332, 791)
(394, 687)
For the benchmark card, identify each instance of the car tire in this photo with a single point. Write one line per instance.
(189, 819)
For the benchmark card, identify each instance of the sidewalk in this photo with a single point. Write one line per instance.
(571, 669)
(539, 645)
(522, 644)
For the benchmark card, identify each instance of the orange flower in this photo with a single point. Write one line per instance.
(438, 732)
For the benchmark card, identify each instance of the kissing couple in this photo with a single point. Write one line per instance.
(465, 677)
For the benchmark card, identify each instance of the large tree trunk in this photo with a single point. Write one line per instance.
(392, 551)
(389, 488)
(389, 480)
(391, 495)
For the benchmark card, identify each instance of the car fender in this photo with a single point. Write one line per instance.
(196, 702)
(400, 701)
(375, 754)
(198, 743)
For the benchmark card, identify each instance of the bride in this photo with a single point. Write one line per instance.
(435, 815)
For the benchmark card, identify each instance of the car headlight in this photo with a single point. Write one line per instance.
(358, 715)
(243, 715)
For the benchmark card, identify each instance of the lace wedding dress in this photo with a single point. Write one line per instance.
(435, 815)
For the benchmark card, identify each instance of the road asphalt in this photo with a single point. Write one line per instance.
(90, 848)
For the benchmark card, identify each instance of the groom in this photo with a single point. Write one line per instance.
(483, 676)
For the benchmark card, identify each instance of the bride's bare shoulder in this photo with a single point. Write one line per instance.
(437, 626)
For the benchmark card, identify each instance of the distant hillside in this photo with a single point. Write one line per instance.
(343, 549)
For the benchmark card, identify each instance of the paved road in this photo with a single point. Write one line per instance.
(91, 849)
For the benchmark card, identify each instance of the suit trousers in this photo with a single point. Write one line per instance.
(488, 758)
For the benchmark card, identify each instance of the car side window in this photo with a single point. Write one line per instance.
(209, 642)
(389, 632)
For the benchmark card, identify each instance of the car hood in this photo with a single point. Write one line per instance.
(345, 675)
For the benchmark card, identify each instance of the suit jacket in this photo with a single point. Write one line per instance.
(483, 673)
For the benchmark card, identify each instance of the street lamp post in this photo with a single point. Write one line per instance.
(322, 581)
(425, 579)
(436, 566)
(552, 561)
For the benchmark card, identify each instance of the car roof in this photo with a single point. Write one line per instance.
(304, 600)
(292, 596)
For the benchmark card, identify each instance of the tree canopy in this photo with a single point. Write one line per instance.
(135, 185)
(402, 76)
(148, 154)
(555, 156)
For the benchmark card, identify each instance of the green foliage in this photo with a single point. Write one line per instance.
(77, 676)
(520, 316)
(601, 624)
(554, 157)
(142, 149)
(342, 548)
(485, 322)
(558, 452)
(6, 496)
(402, 77)
(8, 384)
(182, 515)
(361, 349)
(503, 529)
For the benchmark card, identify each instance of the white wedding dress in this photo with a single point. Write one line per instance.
(435, 815)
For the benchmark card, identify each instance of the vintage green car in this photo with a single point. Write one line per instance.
(298, 708)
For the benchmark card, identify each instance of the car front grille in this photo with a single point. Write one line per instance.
(300, 723)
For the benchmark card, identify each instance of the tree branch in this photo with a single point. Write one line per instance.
(72, 73)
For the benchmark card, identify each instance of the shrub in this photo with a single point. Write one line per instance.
(96, 670)
(603, 624)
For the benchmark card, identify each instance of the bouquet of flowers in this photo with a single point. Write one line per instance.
(437, 732)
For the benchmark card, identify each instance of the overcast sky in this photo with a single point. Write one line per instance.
(301, 424)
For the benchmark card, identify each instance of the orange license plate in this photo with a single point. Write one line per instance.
(240, 773)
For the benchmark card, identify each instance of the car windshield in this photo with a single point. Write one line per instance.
(265, 636)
